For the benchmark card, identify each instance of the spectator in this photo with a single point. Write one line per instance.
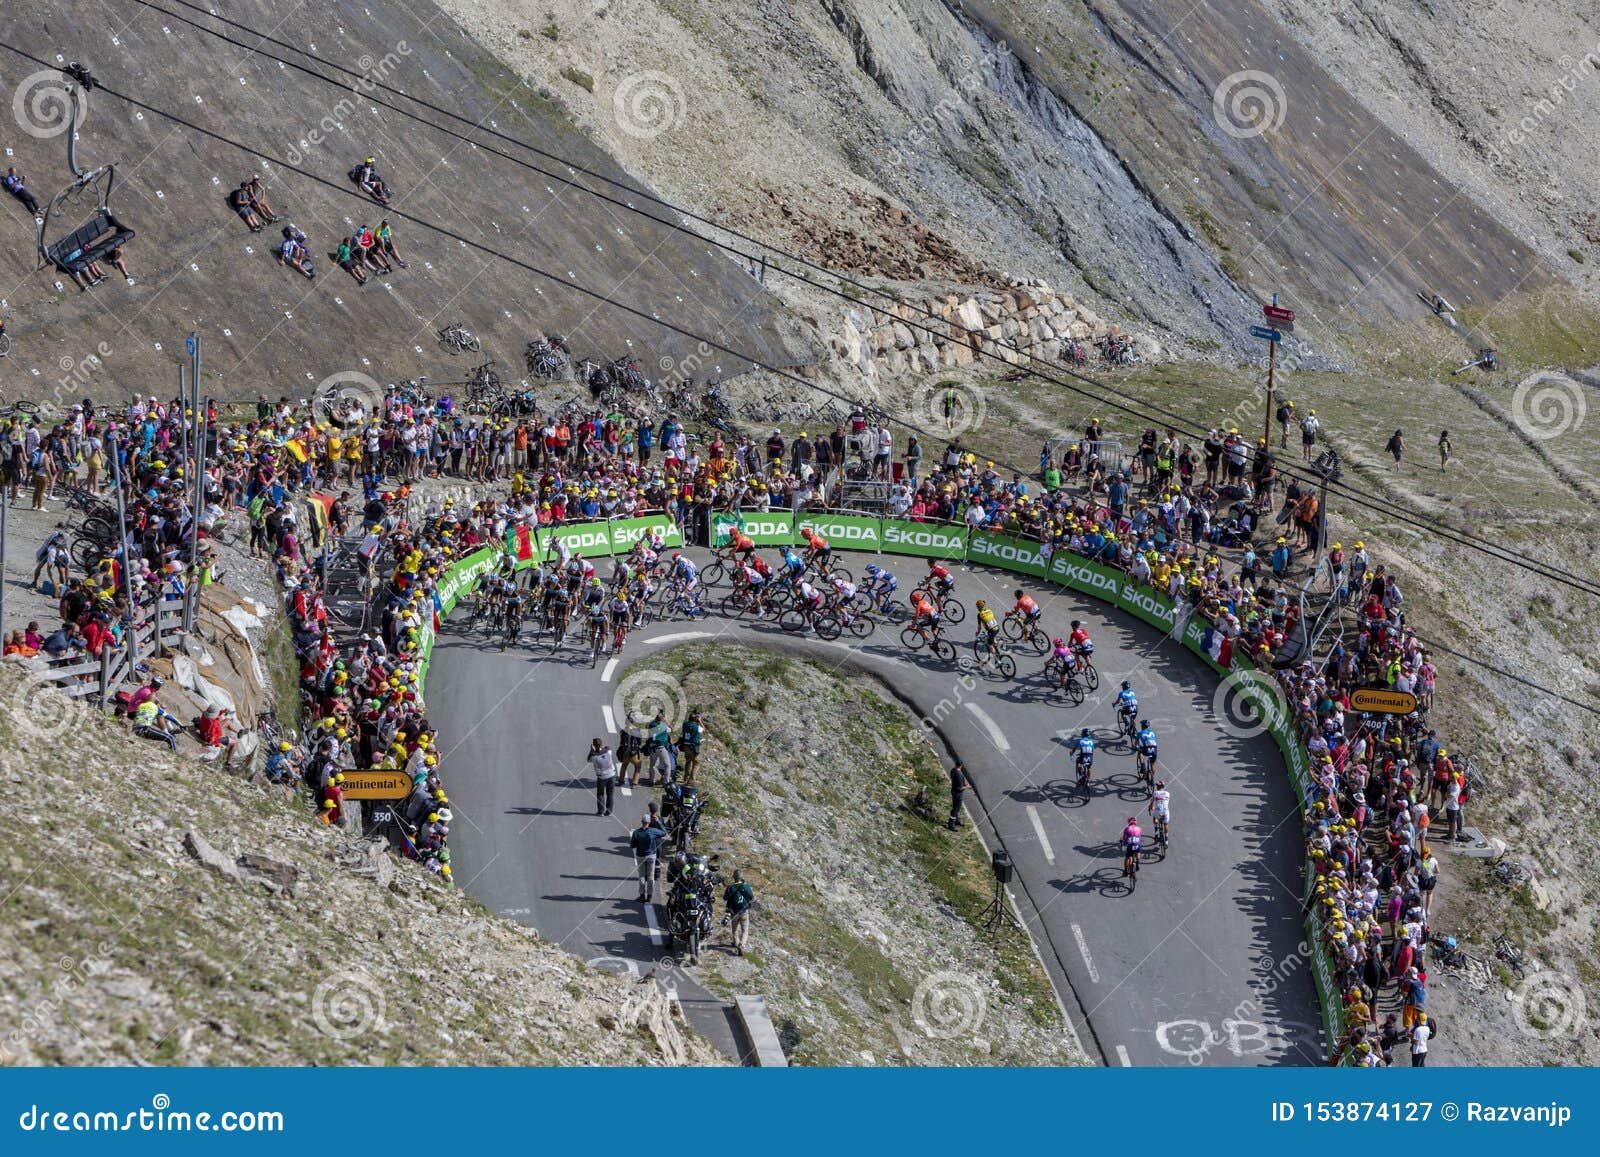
(605, 777)
(15, 186)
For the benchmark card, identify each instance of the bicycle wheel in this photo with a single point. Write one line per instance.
(953, 609)
(713, 574)
(87, 553)
(5, 343)
(943, 649)
(894, 610)
(912, 638)
(1012, 629)
(1074, 692)
(1007, 665)
(735, 604)
(792, 619)
(1091, 677)
(842, 572)
(1037, 640)
(861, 626)
(828, 628)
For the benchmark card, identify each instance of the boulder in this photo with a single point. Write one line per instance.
(903, 339)
(194, 843)
(275, 874)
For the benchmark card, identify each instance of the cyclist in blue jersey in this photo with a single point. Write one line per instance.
(1083, 746)
(1144, 743)
(1127, 708)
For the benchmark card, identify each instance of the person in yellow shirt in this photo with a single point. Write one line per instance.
(988, 627)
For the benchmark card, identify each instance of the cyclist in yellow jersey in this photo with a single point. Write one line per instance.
(989, 627)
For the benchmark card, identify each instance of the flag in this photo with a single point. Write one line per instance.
(519, 542)
(1218, 646)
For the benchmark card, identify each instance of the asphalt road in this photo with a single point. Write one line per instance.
(1200, 965)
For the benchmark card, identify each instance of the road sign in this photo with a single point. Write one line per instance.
(1266, 334)
(1380, 701)
(1278, 313)
(376, 783)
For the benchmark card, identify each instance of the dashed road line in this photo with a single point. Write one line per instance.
(1122, 1055)
(679, 637)
(611, 720)
(655, 928)
(1088, 961)
(1038, 830)
(605, 675)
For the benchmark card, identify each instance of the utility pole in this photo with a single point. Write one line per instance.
(1327, 468)
(1272, 365)
(183, 427)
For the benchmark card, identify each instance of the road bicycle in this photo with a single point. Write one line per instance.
(1147, 770)
(1509, 955)
(1019, 629)
(457, 338)
(5, 340)
(1062, 677)
(1085, 768)
(950, 608)
(597, 638)
(1130, 867)
(914, 637)
(1448, 953)
(746, 600)
(1162, 832)
(987, 651)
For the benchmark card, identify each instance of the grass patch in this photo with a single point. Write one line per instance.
(580, 78)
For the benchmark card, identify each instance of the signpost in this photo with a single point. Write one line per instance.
(1282, 319)
(1382, 701)
(376, 783)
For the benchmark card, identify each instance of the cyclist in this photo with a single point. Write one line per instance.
(939, 579)
(620, 615)
(1082, 646)
(1145, 741)
(1027, 610)
(643, 554)
(558, 609)
(550, 585)
(818, 551)
(988, 628)
(594, 600)
(924, 615)
(1084, 757)
(1132, 841)
(1127, 707)
(793, 564)
(742, 546)
(810, 603)
(1061, 656)
(684, 570)
(880, 584)
(621, 574)
(511, 601)
(1161, 809)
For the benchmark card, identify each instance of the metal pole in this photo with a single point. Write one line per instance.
(183, 427)
(1272, 365)
(194, 378)
(192, 592)
(122, 549)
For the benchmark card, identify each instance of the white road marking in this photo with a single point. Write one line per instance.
(611, 665)
(1122, 1055)
(611, 720)
(996, 736)
(1038, 830)
(1083, 947)
(655, 929)
(679, 637)
(626, 790)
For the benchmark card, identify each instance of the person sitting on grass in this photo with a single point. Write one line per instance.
(346, 257)
(293, 253)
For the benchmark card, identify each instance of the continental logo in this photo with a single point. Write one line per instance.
(843, 531)
(1382, 701)
(1083, 576)
(1011, 552)
(933, 539)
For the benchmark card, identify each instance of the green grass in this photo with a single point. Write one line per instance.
(580, 78)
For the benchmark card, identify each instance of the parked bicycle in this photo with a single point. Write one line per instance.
(457, 338)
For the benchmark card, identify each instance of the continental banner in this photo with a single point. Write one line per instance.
(1022, 555)
(843, 531)
(765, 528)
(931, 540)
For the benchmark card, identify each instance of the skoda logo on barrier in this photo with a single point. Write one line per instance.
(842, 532)
(935, 539)
(1145, 601)
(1005, 550)
(584, 540)
(753, 527)
(1093, 579)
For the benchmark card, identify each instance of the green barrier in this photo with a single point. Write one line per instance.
(627, 531)
(1022, 555)
(589, 538)
(765, 528)
(843, 531)
(1322, 977)
(930, 540)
